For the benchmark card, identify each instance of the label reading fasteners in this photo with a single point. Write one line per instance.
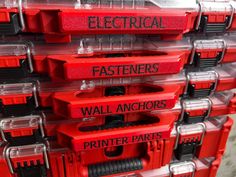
(125, 69)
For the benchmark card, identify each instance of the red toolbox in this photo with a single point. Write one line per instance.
(107, 56)
(187, 141)
(33, 128)
(88, 99)
(58, 20)
(116, 96)
(146, 153)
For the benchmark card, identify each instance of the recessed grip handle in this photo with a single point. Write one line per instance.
(114, 167)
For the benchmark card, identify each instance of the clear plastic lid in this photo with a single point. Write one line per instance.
(225, 72)
(216, 123)
(86, 85)
(95, 44)
(89, 44)
(53, 4)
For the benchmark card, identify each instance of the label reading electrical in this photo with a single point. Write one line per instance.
(125, 22)
(119, 141)
(123, 108)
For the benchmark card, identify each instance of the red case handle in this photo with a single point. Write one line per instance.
(139, 21)
(96, 139)
(72, 68)
(71, 106)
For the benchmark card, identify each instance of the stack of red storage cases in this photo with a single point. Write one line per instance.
(115, 88)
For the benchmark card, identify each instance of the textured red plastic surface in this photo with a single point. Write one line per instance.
(137, 98)
(10, 61)
(153, 154)
(14, 99)
(99, 21)
(214, 138)
(73, 68)
(157, 128)
(101, 64)
(218, 108)
(58, 23)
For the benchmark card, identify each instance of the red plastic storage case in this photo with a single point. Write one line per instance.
(32, 128)
(146, 153)
(171, 19)
(114, 96)
(110, 56)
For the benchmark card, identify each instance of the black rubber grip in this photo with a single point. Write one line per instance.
(115, 91)
(114, 167)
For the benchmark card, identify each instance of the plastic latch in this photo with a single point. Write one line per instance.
(188, 138)
(18, 123)
(203, 104)
(19, 88)
(199, 46)
(214, 7)
(16, 50)
(31, 153)
(25, 102)
(183, 168)
(194, 78)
